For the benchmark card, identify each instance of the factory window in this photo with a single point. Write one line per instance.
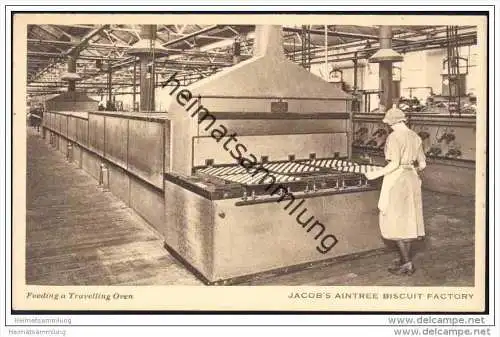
(458, 89)
(454, 72)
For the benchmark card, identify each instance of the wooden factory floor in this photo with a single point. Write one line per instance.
(79, 235)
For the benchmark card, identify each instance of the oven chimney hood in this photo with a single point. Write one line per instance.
(267, 74)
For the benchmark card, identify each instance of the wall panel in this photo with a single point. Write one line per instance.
(146, 150)
(116, 140)
(96, 133)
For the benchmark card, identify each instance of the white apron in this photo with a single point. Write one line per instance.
(400, 201)
(387, 184)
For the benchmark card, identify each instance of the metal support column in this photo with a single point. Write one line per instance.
(109, 86)
(71, 75)
(72, 69)
(385, 56)
(147, 50)
(134, 86)
(326, 53)
(385, 69)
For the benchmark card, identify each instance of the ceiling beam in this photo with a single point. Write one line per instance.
(233, 30)
(334, 29)
(51, 43)
(44, 29)
(190, 35)
(86, 39)
(181, 30)
(62, 31)
(75, 48)
(75, 26)
(200, 36)
(124, 29)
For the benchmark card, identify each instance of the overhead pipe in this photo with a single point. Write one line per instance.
(44, 55)
(339, 34)
(415, 43)
(89, 92)
(363, 42)
(423, 43)
(53, 42)
(62, 84)
(188, 63)
(364, 57)
(77, 44)
(131, 61)
(110, 46)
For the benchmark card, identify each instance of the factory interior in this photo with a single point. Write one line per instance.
(131, 180)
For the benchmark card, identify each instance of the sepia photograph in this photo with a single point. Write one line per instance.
(260, 162)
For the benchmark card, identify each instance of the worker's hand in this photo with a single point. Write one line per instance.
(371, 175)
(420, 172)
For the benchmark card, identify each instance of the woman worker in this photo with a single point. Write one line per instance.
(400, 201)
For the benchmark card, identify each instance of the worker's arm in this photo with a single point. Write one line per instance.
(392, 155)
(389, 168)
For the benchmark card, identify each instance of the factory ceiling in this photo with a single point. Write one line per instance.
(197, 51)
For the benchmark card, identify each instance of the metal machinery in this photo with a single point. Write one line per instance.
(260, 177)
(448, 142)
(448, 135)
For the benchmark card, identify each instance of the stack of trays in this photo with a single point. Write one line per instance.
(290, 168)
(341, 165)
(219, 171)
(240, 175)
(248, 179)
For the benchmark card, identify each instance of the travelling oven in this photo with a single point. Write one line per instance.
(261, 178)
